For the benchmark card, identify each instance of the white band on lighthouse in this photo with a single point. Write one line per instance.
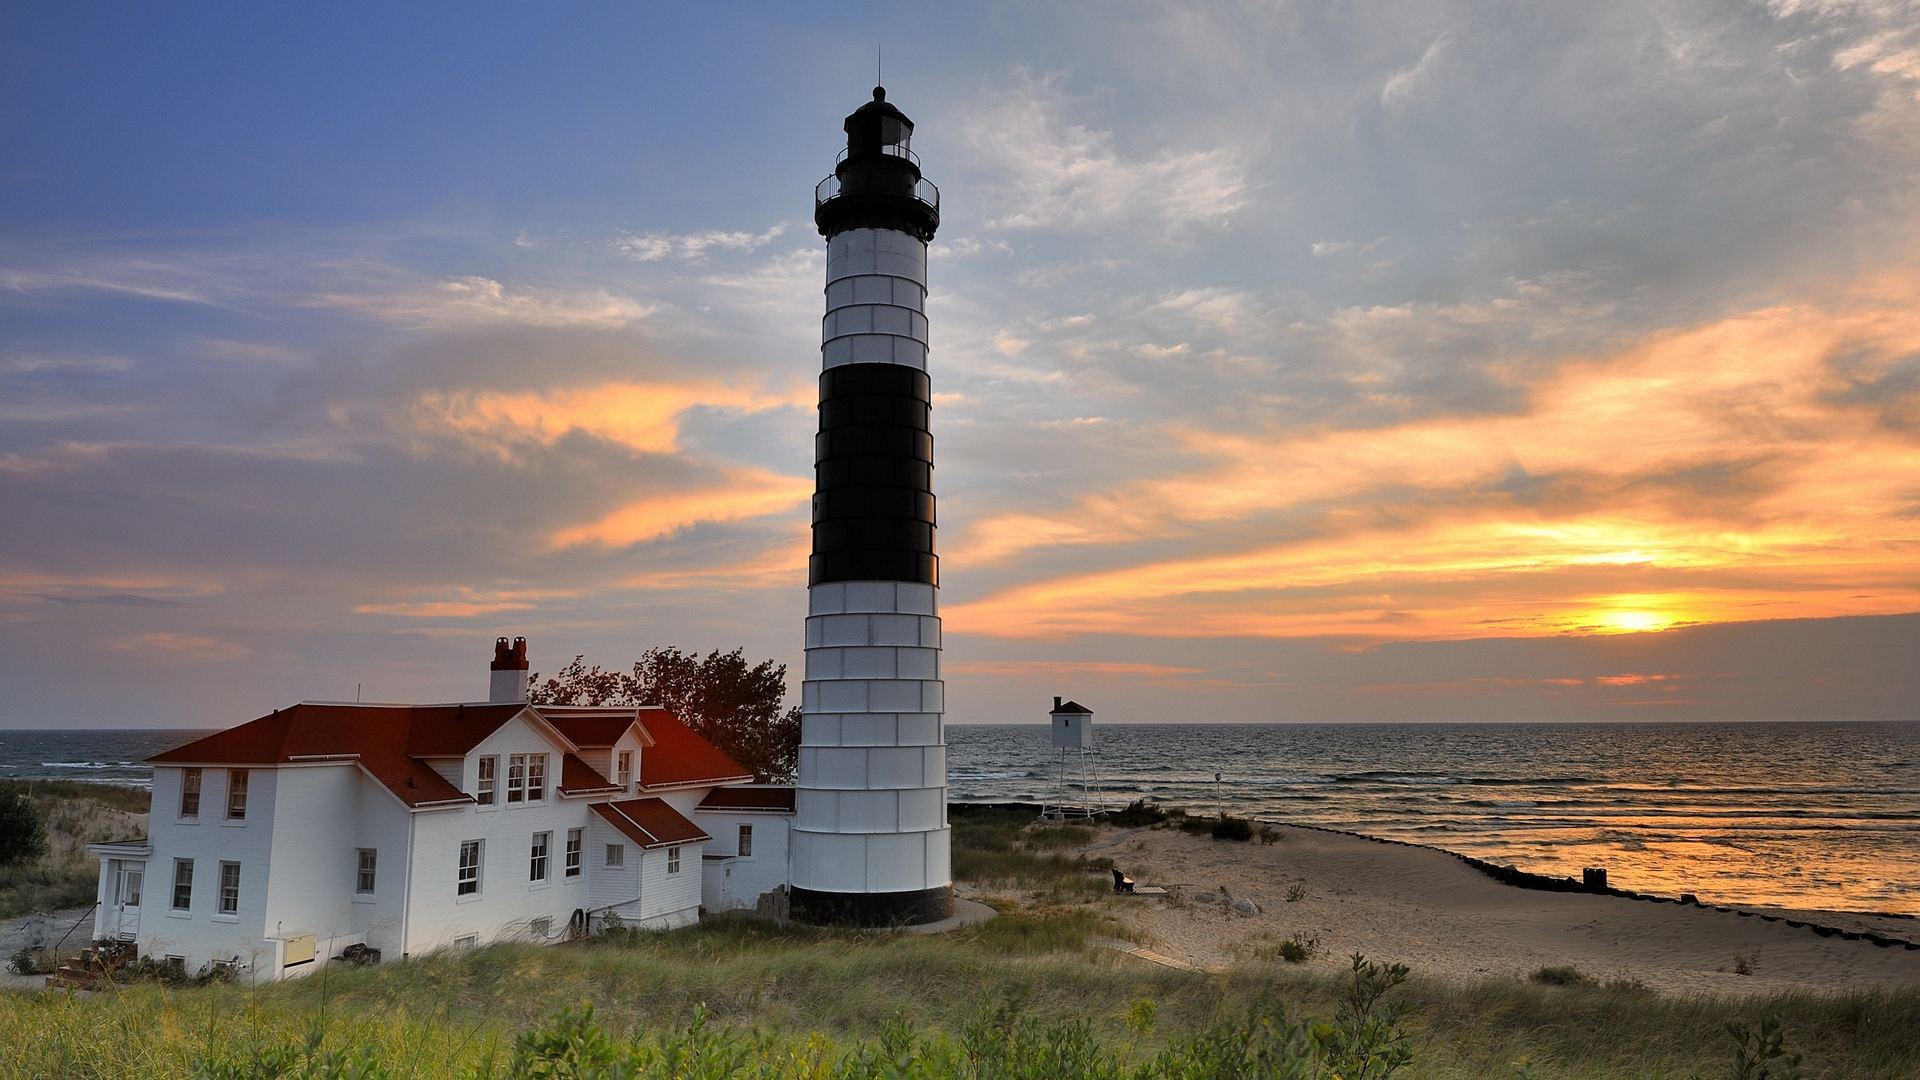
(876, 299)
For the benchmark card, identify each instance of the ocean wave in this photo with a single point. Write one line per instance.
(90, 765)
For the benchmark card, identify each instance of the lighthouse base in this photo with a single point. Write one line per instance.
(870, 909)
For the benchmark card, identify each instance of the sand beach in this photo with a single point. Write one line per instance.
(1427, 909)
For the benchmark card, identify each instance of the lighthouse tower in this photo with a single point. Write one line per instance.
(870, 840)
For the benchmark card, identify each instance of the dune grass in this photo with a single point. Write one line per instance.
(1029, 993)
(455, 1013)
(76, 815)
(1004, 848)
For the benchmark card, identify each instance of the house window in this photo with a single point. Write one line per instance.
(623, 768)
(541, 927)
(536, 777)
(190, 793)
(746, 841)
(363, 879)
(516, 778)
(469, 879)
(236, 794)
(537, 864)
(471, 941)
(229, 888)
(182, 884)
(673, 860)
(489, 776)
(575, 842)
(616, 855)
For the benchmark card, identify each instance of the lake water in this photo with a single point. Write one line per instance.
(1822, 815)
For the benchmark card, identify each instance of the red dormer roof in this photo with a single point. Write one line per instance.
(650, 822)
(769, 800)
(679, 756)
(595, 726)
(579, 778)
(387, 741)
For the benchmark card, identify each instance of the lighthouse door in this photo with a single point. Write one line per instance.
(126, 900)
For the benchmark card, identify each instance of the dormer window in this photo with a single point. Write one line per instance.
(489, 777)
(623, 768)
(526, 777)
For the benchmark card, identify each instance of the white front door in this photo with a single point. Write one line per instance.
(127, 882)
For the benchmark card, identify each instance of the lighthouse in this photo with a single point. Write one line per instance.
(870, 839)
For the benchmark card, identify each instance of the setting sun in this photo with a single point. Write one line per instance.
(1636, 621)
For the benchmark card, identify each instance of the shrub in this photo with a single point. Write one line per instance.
(1761, 1053)
(23, 829)
(1743, 963)
(1297, 949)
(24, 962)
(1561, 976)
(1296, 893)
(1233, 828)
(1267, 833)
(1138, 814)
(1059, 836)
(1365, 1040)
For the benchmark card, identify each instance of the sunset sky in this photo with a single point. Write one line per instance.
(1291, 362)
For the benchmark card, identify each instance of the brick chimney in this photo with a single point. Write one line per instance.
(509, 682)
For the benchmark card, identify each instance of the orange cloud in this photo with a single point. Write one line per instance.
(640, 416)
(1049, 669)
(744, 494)
(183, 648)
(1728, 471)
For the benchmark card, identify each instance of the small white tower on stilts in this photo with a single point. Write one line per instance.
(1072, 735)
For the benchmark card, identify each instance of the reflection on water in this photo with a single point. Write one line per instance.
(1803, 815)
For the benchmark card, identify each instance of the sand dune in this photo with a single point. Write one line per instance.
(1424, 908)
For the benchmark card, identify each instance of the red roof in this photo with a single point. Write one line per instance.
(577, 777)
(650, 822)
(595, 727)
(778, 800)
(385, 740)
(680, 756)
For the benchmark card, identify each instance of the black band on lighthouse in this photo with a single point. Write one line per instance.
(873, 507)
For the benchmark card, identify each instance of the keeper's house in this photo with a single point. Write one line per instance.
(276, 845)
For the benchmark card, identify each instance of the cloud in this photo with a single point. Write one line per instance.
(476, 300)
(1044, 172)
(737, 494)
(1063, 669)
(1707, 474)
(1413, 81)
(693, 247)
(111, 600)
(169, 647)
(35, 363)
(644, 417)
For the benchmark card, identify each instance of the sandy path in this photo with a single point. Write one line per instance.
(1426, 909)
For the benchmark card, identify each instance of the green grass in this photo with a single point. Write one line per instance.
(76, 815)
(1029, 986)
(445, 1014)
(1005, 849)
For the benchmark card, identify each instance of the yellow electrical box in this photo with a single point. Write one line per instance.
(297, 950)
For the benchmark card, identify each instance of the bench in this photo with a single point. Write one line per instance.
(1121, 882)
